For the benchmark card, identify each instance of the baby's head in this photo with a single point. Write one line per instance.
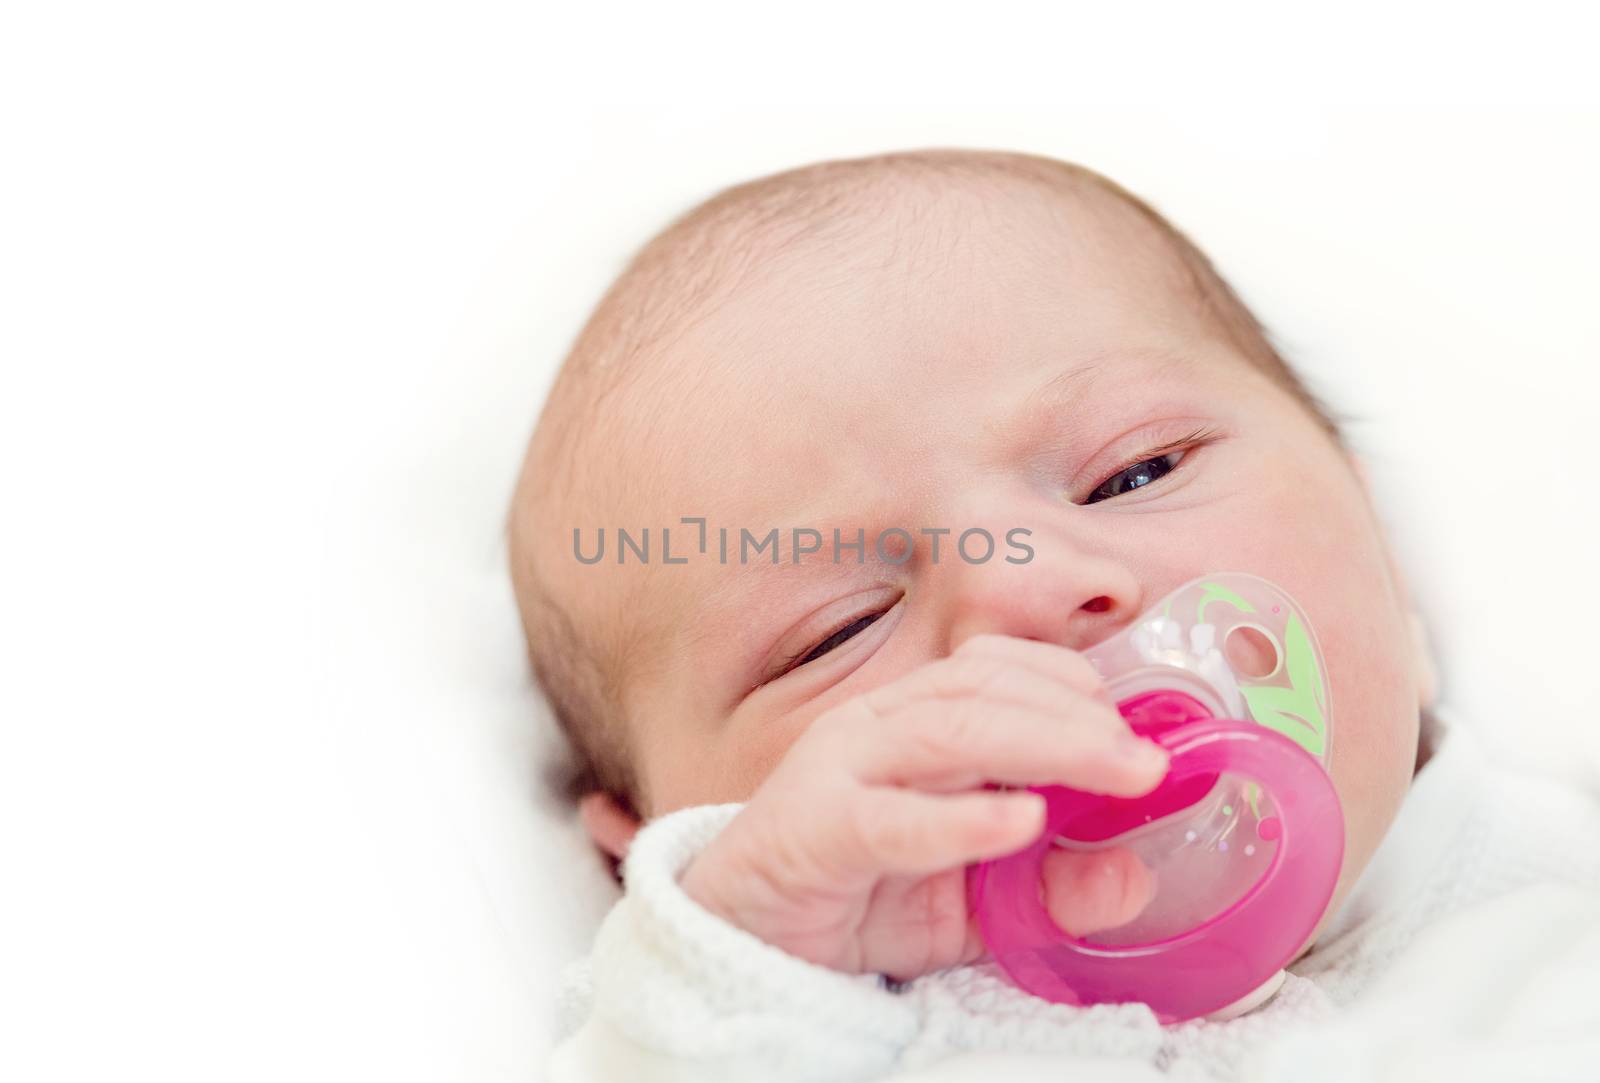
(892, 347)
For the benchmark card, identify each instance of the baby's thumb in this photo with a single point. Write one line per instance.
(1084, 893)
(1087, 892)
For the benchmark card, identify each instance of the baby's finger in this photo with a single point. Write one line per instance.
(1089, 891)
(1050, 660)
(904, 833)
(993, 672)
(997, 678)
(959, 744)
(1084, 893)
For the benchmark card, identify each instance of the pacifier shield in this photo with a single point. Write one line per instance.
(1244, 835)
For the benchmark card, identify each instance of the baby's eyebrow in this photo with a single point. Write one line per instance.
(755, 553)
(1061, 389)
(751, 576)
(759, 583)
(1044, 405)
(1041, 407)
(1037, 427)
(779, 593)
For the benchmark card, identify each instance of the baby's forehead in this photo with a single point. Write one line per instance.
(961, 291)
(802, 243)
(803, 340)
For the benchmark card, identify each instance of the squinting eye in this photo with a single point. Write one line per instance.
(854, 628)
(1136, 476)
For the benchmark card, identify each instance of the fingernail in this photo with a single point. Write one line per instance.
(1136, 749)
(1021, 807)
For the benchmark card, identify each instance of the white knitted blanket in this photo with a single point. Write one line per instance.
(1469, 949)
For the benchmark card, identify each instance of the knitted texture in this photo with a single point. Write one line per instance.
(679, 986)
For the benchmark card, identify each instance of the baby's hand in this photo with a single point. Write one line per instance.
(852, 853)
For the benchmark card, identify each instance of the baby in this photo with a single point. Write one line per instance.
(843, 473)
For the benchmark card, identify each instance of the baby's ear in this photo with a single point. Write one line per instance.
(611, 826)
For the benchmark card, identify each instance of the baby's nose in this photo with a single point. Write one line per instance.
(1054, 591)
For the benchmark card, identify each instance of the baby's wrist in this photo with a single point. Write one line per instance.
(701, 890)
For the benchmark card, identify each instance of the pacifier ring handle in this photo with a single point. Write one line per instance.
(1216, 962)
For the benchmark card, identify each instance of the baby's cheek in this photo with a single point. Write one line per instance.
(1089, 892)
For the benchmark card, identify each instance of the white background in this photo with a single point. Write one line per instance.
(281, 287)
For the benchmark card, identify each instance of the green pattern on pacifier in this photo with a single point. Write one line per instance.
(1216, 592)
(1297, 711)
(1191, 633)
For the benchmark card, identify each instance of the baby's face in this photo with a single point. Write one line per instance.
(1000, 370)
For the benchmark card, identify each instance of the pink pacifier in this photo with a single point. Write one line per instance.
(1244, 835)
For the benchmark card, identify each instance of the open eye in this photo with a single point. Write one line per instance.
(1137, 476)
(1153, 464)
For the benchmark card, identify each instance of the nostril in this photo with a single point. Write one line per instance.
(1097, 604)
